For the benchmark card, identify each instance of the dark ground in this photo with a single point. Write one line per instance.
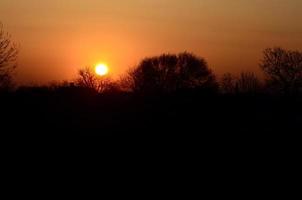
(73, 112)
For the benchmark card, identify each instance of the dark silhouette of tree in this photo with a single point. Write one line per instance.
(228, 84)
(8, 58)
(88, 79)
(169, 73)
(126, 82)
(283, 69)
(246, 83)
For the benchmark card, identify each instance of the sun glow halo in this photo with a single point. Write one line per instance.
(101, 69)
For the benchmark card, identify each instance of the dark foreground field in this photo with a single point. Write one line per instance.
(86, 113)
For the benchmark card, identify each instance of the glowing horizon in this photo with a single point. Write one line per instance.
(57, 38)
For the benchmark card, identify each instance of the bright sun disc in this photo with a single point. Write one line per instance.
(101, 69)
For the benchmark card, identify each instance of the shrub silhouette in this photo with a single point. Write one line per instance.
(228, 84)
(246, 83)
(88, 79)
(169, 73)
(283, 69)
(8, 57)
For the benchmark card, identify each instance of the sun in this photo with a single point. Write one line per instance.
(101, 69)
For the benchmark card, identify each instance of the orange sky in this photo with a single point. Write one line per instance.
(57, 37)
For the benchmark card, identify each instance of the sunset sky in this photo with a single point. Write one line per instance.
(57, 37)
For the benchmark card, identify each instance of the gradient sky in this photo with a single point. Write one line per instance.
(57, 37)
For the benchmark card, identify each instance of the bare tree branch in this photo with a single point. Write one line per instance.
(283, 69)
(8, 59)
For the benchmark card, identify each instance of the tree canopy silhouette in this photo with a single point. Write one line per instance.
(88, 79)
(283, 69)
(246, 83)
(169, 73)
(8, 58)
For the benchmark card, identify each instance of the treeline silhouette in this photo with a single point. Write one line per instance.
(165, 94)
